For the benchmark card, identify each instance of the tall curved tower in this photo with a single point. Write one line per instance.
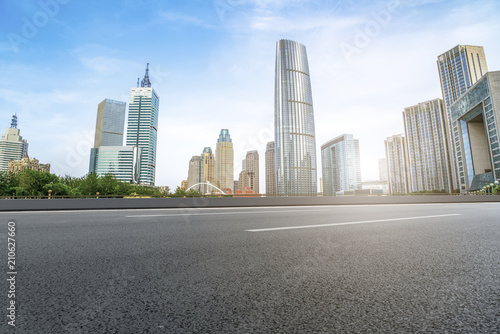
(295, 150)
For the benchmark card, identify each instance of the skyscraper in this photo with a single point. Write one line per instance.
(270, 169)
(195, 174)
(224, 157)
(208, 174)
(425, 131)
(397, 164)
(142, 127)
(120, 161)
(110, 123)
(382, 169)
(252, 169)
(459, 69)
(341, 165)
(12, 145)
(295, 152)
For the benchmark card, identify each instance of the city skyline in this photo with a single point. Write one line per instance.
(235, 79)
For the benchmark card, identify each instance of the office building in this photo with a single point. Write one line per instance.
(110, 123)
(476, 115)
(12, 145)
(252, 168)
(195, 174)
(295, 143)
(224, 157)
(270, 169)
(341, 165)
(120, 161)
(426, 138)
(397, 164)
(142, 128)
(209, 166)
(17, 166)
(459, 69)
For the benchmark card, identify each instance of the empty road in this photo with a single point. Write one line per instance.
(317, 269)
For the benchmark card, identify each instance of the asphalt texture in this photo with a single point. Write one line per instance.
(359, 269)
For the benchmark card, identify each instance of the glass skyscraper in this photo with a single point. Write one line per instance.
(459, 69)
(295, 142)
(142, 127)
(110, 123)
(120, 161)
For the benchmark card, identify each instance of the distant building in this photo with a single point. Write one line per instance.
(397, 164)
(120, 161)
(459, 69)
(341, 164)
(12, 145)
(184, 185)
(375, 185)
(224, 157)
(17, 166)
(110, 123)
(208, 173)
(382, 169)
(252, 169)
(244, 180)
(476, 115)
(142, 129)
(425, 132)
(195, 174)
(270, 169)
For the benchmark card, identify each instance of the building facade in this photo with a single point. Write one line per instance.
(295, 142)
(341, 165)
(17, 166)
(209, 166)
(142, 127)
(123, 162)
(270, 169)
(110, 123)
(426, 141)
(12, 145)
(397, 164)
(476, 115)
(224, 157)
(382, 169)
(195, 173)
(252, 169)
(459, 68)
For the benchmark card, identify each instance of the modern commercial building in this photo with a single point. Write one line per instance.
(341, 165)
(209, 166)
(295, 142)
(476, 116)
(224, 157)
(195, 174)
(252, 170)
(426, 141)
(17, 166)
(110, 123)
(120, 161)
(397, 164)
(270, 169)
(142, 128)
(382, 169)
(12, 145)
(459, 69)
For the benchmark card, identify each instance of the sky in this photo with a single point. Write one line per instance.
(212, 64)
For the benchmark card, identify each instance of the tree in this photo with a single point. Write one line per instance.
(34, 181)
(90, 184)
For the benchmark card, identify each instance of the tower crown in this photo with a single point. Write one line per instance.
(13, 124)
(145, 82)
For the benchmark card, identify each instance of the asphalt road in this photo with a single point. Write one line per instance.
(331, 269)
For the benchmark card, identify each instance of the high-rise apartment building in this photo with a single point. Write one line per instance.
(209, 166)
(382, 169)
(341, 165)
(459, 69)
(224, 157)
(476, 115)
(12, 145)
(295, 143)
(142, 128)
(252, 169)
(110, 123)
(195, 174)
(270, 169)
(426, 138)
(397, 164)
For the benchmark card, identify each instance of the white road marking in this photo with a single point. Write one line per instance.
(348, 223)
(221, 213)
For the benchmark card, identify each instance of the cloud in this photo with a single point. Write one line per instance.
(185, 19)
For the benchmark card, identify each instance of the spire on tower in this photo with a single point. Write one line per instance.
(138, 81)
(13, 124)
(145, 82)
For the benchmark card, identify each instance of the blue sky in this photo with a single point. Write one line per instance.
(212, 64)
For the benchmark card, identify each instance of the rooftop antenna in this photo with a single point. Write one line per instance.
(138, 81)
(13, 124)
(145, 82)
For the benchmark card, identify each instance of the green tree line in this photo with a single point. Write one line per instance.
(35, 183)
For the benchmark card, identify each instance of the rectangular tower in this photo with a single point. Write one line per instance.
(252, 169)
(426, 138)
(224, 157)
(12, 145)
(397, 164)
(110, 123)
(270, 169)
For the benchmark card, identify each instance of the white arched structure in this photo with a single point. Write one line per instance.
(208, 184)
